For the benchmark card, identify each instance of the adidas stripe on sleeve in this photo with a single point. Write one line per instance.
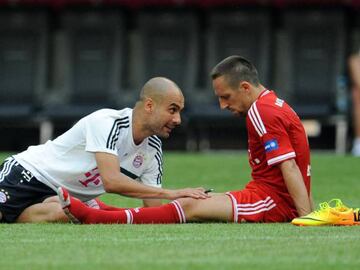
(103, 132)
(115, 131)
(153, 176)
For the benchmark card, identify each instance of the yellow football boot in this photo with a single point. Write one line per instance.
(339, 215)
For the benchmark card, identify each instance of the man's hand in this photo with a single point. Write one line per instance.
(196, 193)
(116, 182)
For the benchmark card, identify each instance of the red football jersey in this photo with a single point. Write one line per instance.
(275, 134)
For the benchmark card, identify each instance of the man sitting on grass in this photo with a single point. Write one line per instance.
(103, 152)
(279, 156)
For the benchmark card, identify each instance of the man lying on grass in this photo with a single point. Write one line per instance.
(279, 156)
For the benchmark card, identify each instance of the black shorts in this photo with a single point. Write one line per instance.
(18, 190)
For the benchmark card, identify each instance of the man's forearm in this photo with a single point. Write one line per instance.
(302, 203)
(296, 187)
(116, 182)
(128, 187)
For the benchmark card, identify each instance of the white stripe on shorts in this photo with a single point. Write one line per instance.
(257, 207)
(8, 164)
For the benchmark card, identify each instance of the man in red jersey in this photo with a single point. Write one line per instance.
(279, 156)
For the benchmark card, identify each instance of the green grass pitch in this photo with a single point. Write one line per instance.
(197, 246)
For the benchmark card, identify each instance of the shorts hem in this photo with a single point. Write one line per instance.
(234, 206)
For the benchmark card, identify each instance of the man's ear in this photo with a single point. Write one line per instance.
(245, 86)
(149, 105)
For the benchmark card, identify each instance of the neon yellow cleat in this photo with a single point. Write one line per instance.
(339, 215)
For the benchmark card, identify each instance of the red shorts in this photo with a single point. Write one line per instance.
(252, 205)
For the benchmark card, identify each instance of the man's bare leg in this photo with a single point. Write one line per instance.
(216, 208)
(49, 210)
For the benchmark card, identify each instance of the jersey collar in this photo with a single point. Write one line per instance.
(264, 93)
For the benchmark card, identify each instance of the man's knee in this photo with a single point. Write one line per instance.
(52, 199)
(58, 215)
(189, 205)
(218, 207)
(43, 212)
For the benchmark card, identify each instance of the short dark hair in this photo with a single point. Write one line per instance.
(236, 69)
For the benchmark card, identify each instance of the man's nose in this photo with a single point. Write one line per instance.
(223, 104)
(177, 119)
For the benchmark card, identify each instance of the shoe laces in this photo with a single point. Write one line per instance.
(339, 206)
(322, 207)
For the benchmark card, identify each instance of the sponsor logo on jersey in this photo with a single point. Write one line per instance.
(279, 102)
(4, 196)
(138, 161)
(92, 177)
(271, 145)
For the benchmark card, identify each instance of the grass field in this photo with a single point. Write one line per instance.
(197, 246)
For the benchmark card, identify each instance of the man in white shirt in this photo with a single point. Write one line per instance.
(103, 152)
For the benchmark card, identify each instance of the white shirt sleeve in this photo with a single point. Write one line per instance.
(100, 134)
(153, 175)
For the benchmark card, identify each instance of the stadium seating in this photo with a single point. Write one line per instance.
(88, 67)
(312, 55)
(23, 66)
(355, 33)
(246, 33)
(61, 63)
(168, 46)
(310, 62)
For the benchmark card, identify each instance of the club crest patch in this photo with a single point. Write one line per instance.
(138, 161)
(271, 145)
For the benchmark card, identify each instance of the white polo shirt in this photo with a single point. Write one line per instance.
(69, 160)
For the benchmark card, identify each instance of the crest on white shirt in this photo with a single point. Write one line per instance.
(138, 160)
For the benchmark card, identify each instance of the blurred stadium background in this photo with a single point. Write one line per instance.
(62, 59)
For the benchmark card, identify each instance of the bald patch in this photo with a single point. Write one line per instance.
(157, 88)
